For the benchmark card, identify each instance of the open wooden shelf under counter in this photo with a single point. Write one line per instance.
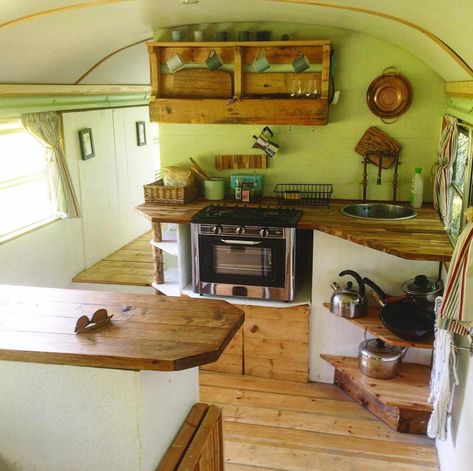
(400, 402)
(372, 324)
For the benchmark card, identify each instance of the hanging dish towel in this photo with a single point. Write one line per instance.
(454, 316)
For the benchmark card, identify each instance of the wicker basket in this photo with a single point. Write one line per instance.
(156, 192)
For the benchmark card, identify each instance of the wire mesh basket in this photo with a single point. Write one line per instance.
(315, 194)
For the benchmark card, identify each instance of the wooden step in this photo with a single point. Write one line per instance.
(400, 402)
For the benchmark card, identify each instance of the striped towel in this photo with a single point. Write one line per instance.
(452, 312)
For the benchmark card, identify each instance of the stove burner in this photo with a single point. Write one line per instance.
(279, 217)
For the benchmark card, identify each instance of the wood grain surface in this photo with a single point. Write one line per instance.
(420, 238)
(372, 324)
(146, 333)
(275, 425)
(400, 402)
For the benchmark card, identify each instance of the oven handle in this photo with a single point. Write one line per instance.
(240, 242)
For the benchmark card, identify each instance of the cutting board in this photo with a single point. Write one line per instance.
(225, 162)
(200, 83)
(375, 140)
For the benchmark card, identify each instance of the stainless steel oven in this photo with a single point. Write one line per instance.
(243, 258)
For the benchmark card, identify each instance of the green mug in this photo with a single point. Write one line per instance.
(214, 189)
(213, 60)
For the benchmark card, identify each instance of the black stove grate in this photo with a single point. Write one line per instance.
(259, 216)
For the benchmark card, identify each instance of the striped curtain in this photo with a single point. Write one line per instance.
(446, 158)
(46, 127)
(454, 316)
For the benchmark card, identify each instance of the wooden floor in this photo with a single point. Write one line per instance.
(274, 425)
(130, 265)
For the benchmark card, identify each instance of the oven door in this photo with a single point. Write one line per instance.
(242, 261)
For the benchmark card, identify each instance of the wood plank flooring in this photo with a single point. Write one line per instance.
(277, 425)
(130, 265)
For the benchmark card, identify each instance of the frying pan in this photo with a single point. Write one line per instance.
(403, 318)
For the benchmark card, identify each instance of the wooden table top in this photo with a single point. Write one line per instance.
(420, 238)
(146, 332)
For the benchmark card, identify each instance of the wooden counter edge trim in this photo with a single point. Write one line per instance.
(118, 362)
(304, 225)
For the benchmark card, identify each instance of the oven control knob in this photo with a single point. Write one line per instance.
(240, 230)
(264, 232)
(217, 229)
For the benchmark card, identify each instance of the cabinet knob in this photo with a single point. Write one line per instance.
(254, 329)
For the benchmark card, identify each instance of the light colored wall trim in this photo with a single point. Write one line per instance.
(462, 89)
(27, 90)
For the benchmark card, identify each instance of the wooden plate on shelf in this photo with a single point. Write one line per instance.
(389, 95)
(198, 83)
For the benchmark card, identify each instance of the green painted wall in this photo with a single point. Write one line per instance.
(325, 154)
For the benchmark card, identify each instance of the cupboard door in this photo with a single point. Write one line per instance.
(276, 342)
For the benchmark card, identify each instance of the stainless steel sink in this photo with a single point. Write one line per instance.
(379, 211)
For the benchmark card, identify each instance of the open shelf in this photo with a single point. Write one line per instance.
(372, 324)
(400, 402)
(168, 246)
(170, 287)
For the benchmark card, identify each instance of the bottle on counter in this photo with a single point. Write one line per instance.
(238, 190)
(417, 189)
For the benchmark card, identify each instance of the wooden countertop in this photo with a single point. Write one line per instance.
(420, 238)
(146, 332)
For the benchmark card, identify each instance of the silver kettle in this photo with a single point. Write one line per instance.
(349, 302)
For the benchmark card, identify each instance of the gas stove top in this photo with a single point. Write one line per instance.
(241, 215)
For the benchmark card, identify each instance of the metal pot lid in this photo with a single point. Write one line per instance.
(378, 349)
(422, 284)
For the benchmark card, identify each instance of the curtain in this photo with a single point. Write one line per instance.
(446, 159)
(46, 127)
(454, 316)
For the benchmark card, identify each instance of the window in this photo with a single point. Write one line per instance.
(25, 199)
(461, 194)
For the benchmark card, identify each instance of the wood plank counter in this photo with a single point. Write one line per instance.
(146, 333)
(420, 238)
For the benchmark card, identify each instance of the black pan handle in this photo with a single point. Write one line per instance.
(383, 296)
(359, 280)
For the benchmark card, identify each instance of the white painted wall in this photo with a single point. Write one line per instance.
(109, 187)
(68, 418)
(334, 335)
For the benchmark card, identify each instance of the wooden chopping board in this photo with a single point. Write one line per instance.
(375, 140)
(200, 83)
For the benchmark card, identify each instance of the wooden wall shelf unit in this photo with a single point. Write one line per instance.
(260, 98)
(372, 324)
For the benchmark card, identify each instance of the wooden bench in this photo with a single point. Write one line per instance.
(198, 446)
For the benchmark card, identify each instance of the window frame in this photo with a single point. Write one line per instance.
(12, 126)
(466, 193)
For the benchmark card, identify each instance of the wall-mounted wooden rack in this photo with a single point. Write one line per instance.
(260, 98)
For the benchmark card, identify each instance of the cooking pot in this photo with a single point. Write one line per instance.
(349, 302)
(378, 360)
(423, 290)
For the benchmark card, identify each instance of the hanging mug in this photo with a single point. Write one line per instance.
(300, 63)
(174, 62)
(260, 64)
(213, 61)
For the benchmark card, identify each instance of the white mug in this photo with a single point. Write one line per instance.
(198, 35)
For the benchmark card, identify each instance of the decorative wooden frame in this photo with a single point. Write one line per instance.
(86, 144)
(140, 133)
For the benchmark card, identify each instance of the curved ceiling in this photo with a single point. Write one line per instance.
(59, 41)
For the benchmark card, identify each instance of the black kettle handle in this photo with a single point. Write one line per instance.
(359, 280)
(376, 289)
